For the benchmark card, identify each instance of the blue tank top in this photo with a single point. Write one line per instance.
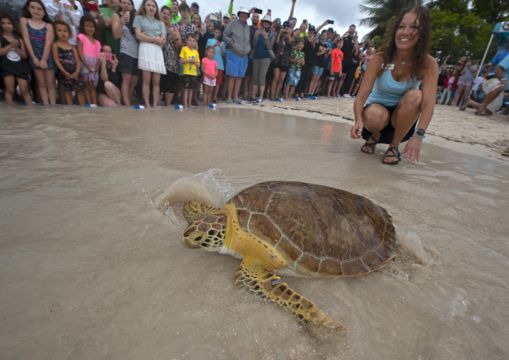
(261, 51)
(388, 92)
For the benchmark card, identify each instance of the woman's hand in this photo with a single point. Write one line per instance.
(43, 64)
(412, 149)
(356, 131)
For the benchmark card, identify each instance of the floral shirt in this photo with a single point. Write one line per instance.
(297, 55)
(171, 52)
(186, 30)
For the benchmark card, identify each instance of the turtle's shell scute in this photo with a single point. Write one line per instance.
(317, 228)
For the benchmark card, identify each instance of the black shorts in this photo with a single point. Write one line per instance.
(127, 64)
(188, 81)
(387, 132)
(282, 67)
(169, 82)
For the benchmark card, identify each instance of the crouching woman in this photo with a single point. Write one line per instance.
(397, 96)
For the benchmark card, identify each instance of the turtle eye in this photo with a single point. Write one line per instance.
(198, 238)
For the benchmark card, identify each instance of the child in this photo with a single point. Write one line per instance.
(67, 61)
(335, 68)
(296, 63)
(12, 61)
(450, 82)
(190, 60)
(151, 33)
(219, 59)
(210, 71)
(89, 49)
(38, 34)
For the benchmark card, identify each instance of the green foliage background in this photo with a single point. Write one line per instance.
(459, 27)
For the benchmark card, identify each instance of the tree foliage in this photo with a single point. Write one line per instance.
(459, 27)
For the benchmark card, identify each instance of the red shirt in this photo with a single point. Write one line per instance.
(336, 60)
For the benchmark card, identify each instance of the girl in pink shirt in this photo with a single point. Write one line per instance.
(89, 49)
(209, 69)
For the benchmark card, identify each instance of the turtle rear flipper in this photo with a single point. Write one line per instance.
(267, 285)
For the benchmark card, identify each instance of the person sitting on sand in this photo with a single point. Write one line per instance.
(493, 90)
(389, 101)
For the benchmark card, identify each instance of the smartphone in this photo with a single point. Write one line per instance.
(258, 11)
(330, 21)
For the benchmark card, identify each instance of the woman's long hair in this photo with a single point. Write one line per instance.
(25, 13)
(143, 12)
(132, 15)
(423, 45)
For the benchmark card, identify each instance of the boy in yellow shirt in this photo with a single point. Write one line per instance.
(190, 60)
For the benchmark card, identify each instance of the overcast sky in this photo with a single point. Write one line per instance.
(343, 13)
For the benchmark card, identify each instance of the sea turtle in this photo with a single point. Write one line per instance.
(301, 228)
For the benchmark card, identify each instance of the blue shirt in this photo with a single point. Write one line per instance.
(217, 56)
(261, 51)
(388, 92)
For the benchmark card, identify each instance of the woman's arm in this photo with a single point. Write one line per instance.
(429, 91)
(103, 70)
(116, 26)
(141, 37)
(366, 87)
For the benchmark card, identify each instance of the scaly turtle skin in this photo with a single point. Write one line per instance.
(302, 228)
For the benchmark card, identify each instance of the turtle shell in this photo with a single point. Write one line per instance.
(319, 230)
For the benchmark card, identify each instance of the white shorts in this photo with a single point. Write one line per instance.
(209, 82)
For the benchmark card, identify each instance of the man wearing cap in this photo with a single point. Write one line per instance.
(236, 37)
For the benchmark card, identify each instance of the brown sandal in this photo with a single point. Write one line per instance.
(369, 146)
(392, 152)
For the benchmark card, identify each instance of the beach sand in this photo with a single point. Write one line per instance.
(90, 269)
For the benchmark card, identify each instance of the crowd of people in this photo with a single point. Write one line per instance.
(465, 85)
(76, 52)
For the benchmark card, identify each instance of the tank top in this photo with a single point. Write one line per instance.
(388, 92)
(128, 43)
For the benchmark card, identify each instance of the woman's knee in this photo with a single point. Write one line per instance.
(412, 98)
(375, 117)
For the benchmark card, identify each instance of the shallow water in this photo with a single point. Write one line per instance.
(89, 269)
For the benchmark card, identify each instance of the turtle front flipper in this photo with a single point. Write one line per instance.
(267, 285)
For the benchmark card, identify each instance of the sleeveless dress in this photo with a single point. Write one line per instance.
(388, 93)
(69, 63)
(38, 40)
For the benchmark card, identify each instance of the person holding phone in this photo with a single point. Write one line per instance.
(350, 41)
(110, 81)
(399, 89)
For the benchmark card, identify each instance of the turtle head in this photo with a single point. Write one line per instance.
(207, 232)
(194, 210)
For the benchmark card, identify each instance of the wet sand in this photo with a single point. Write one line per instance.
(90, 269)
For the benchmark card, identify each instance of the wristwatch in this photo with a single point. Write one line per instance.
(420, 132)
